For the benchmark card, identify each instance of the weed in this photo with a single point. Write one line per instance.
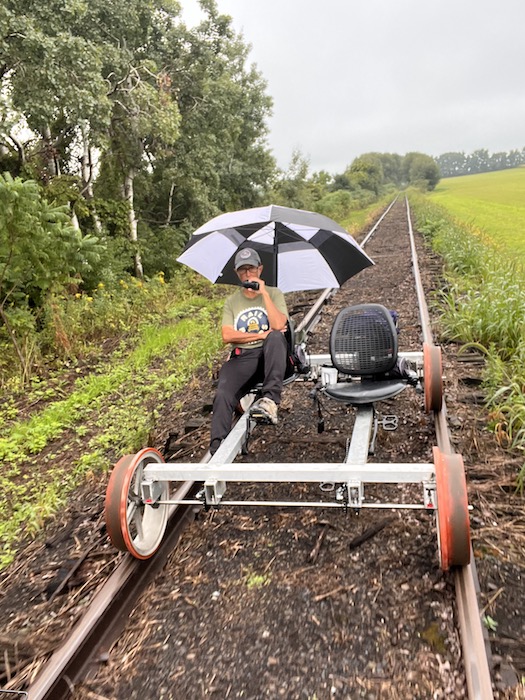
(253, 580)
(490, 623)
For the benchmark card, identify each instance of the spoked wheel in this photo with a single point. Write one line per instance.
(452, 510)
(432, 377)
(133, 525)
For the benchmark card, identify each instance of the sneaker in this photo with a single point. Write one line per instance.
(214, 445)
(265, 411)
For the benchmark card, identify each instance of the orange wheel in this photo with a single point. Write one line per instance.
(432, 377)
(134, 526)
(452, 510)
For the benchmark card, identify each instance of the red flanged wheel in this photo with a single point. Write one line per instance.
(452, 510)
(432, 377)
(133, 525)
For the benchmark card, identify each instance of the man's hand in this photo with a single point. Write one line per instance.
(262, 285)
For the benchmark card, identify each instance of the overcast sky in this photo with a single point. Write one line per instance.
(394, 76)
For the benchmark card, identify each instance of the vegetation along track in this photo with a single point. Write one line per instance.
(280, 603)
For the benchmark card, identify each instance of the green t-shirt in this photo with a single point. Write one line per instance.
(249, 315)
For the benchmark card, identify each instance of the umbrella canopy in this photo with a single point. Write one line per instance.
(299, 249)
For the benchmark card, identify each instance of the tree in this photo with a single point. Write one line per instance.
(421, 170)
(53, 74)
(366, 172)
(392, 165)
(291, 189)
(39, 250)
(221, 160)
(337, 205)
(319, 184)
(177, 110)
(142, 122)
(88, 79)
(452, 163)
(478, 161)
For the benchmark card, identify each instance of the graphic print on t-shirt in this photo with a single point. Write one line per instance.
(253, 320)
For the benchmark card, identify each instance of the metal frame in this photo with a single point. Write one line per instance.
(316, 361)
(350, 476)
(346, 480)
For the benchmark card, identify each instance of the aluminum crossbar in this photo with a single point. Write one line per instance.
(318, 360)
(352, 474)
(313, 472)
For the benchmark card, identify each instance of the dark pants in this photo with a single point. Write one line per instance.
(240, 373)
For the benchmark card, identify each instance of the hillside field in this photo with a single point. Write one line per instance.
(493, 203)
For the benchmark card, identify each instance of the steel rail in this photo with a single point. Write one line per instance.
(108, 612)
(474, 640)
(376, 225)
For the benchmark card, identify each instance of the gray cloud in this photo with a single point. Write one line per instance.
(351, 76)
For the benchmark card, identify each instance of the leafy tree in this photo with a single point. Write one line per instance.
(53, 74)
(366, 172)
(87, 79)
(421, 170)
(39, 250)
(478, 161)
(292, 188)
(515, 158)
(340, 181)
(320, 184)
(221, 160)
(337, 205)
(452, 163)
(392, 165)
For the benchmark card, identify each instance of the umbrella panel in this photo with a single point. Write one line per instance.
(296, 255)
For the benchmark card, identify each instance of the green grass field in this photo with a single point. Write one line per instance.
(493, 203)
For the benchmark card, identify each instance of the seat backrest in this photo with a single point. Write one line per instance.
(363, 340)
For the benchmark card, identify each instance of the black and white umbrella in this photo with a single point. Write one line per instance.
(299, 249)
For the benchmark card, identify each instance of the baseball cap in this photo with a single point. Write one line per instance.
(247, 256)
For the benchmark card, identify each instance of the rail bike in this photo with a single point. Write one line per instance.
(363, 368)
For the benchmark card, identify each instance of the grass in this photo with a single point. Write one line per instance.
(490, 203)
(359, 219)
(255, 581)
(482, 305)
(29, 437)
(106, 415)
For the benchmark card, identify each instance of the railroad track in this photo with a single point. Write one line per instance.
(111, 606)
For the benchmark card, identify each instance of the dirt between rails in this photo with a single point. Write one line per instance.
(298, 603)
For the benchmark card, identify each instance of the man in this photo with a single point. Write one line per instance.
(253, 321)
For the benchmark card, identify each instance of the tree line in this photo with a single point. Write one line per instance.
(455, 163)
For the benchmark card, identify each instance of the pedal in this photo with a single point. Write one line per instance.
(260, 417)
(389, 422)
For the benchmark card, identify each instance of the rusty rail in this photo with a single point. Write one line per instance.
(474, 641)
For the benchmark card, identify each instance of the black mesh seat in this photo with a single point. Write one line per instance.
(363, 343)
